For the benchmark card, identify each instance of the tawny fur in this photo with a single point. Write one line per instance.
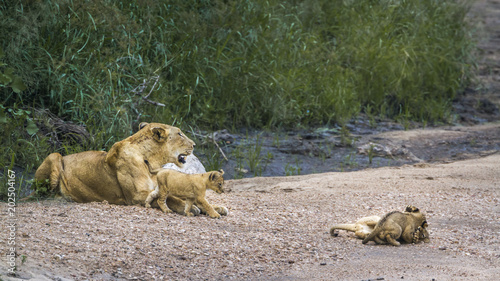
(398, 226)
(421, 234)
(120, 175)
(364, 226)
(190, 187)
(361, 228)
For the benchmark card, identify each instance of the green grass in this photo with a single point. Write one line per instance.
(293, 169)
(215, 64)
(237, 63)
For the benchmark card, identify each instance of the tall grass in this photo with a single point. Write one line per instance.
(214, 63)
(237, 63)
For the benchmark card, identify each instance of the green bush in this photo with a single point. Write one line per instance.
(228, 63)
(236, 63)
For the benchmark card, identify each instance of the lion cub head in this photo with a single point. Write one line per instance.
(216, 181)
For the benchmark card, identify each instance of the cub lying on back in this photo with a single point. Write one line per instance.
(408, 226)
(191, 187)
(361, 228)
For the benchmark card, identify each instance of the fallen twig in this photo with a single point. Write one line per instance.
(139, 90)
(222, 152)
(212, 139)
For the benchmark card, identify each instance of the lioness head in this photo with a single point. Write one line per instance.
(216, 181)
(168, 144)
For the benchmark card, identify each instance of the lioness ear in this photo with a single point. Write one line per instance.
(159, 134)
(142, 125)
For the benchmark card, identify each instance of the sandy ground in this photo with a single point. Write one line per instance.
(277, 229)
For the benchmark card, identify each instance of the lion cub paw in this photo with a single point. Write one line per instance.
(189, 214)
(416, 235)
(215, 216)
(147, 205)
(411, 209)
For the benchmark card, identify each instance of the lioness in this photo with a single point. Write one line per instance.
(119, 176)
(398, 225)
(190, 187)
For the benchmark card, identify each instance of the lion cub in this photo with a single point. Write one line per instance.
(361, 228)
(421, 233)
(408, 226)
(364, 226)
(191, 187)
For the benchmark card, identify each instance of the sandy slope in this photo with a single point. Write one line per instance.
(278, 229)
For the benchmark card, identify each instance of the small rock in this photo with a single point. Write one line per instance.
(222, 135)
(241, 170)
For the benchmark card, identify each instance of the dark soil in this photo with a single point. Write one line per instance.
(327, 150)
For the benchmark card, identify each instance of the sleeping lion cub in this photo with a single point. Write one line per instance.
(191, 187)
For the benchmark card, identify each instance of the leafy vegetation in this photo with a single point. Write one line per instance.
(216, 64)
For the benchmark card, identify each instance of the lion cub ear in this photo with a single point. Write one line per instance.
(159, 134)
(142, 125)
(212, 176)
(221, 172)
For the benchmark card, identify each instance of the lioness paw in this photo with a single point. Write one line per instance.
(195, 210)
